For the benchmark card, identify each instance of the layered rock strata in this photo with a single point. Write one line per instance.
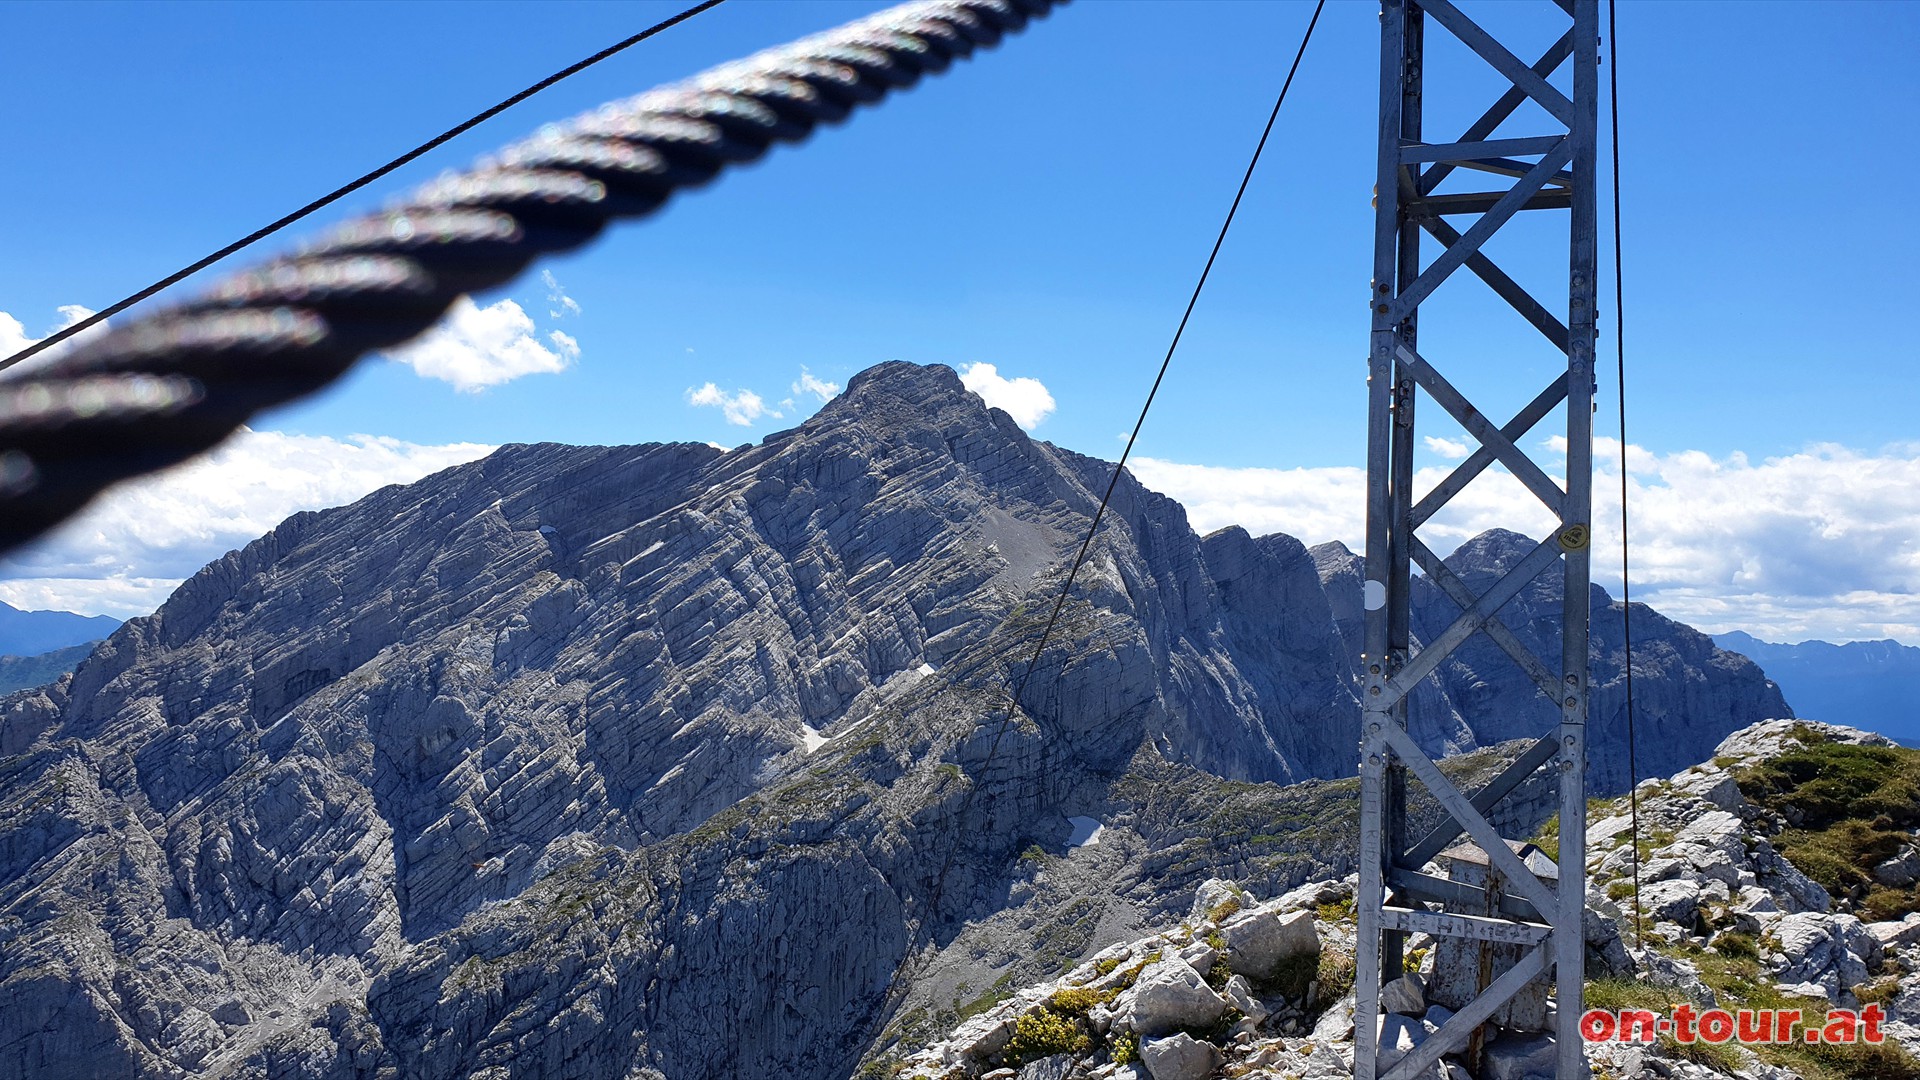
(661, 761)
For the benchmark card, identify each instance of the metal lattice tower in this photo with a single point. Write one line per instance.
(1543, 918)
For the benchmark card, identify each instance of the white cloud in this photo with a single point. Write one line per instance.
(14, 337)
(1330, 503)
(559, 304)
(127, 552)
(1824, 543)
(819, 388)
(1024, 399)
(1312, 504)
(742, 407)
(476, 347)
(1451, 449)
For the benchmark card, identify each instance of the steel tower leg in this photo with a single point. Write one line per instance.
(1550, 171)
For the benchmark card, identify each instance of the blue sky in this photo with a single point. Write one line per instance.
(1042, 209)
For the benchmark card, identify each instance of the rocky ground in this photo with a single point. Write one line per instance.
(1261, 988)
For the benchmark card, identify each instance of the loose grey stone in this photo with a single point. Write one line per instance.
(1260, 942)
(1168, 996)
(1406, 995)
(1179, 1057)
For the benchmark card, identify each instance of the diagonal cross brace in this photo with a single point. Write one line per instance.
(1500, 166)
(1463, 474)
(1470, 242)
(1459, 1027)
(1477, 425)
(1517, 73)
(1497, 788)
(1457, 591)
(1520, 879)
(1470, 620)
(1508, 289)
(1548, 63)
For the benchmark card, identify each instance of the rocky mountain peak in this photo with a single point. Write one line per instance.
(1488, 556)
(927, 387)
(560, 755)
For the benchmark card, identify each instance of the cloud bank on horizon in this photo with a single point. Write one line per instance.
(1824, 543)
(126, 554)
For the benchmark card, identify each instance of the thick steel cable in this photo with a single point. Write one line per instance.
(1620, 365)
(1018, 690)
(158, 391)
(349, 188)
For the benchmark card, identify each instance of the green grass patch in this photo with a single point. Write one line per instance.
(1548, 838)
(1616, 994)
(1335, 975)
(1078, 1001)
(1850, 808)
(1044, 1033)
(1736, 944)
(994, 995)
(1338, 911)
(1740, 982)
(1720, 1057)
(1219, 974)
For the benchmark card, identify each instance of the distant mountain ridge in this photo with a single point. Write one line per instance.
(23, 672)
(1874, 685)
(30, 633)
(657, 761)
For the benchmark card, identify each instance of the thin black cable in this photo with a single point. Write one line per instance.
(1620, 365)
(1060, 602)
(341, 192)
(1119, 466)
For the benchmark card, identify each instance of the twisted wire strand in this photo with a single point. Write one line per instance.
(81, 326)
(158, 391)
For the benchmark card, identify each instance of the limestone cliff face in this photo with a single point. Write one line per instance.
(652, 761)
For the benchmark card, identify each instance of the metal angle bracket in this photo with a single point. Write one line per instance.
(1545, 918)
